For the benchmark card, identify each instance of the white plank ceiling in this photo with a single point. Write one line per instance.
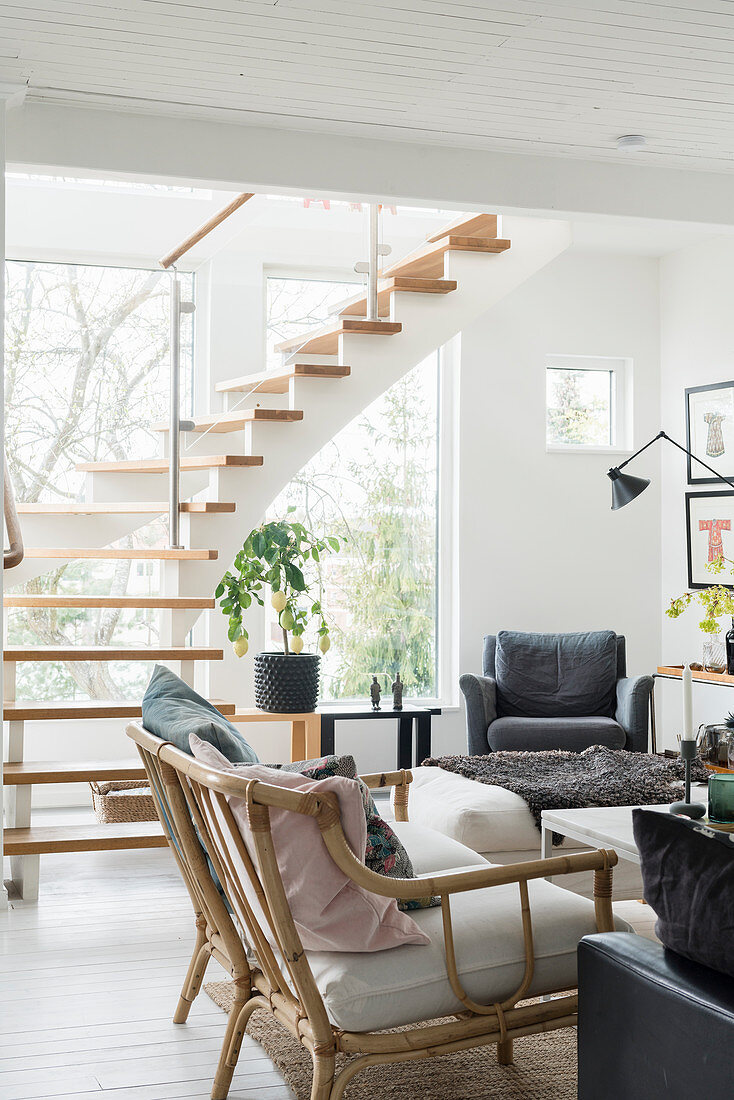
(563, 78)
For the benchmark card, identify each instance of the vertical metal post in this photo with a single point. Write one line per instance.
(174, 427)
(373, 222)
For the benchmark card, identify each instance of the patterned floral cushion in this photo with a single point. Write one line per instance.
(385, 854)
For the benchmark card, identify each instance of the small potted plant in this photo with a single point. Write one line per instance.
(272, 557)
(717, 601)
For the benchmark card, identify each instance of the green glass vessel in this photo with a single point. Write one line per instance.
(721, 799)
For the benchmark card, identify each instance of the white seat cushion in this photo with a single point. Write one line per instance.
(431, 851)
(381, 989)
(484, 818)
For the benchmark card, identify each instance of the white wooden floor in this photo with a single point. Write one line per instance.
(89, 979)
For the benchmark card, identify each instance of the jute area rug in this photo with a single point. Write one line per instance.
(544, 1069)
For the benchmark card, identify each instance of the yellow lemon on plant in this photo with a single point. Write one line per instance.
(241, 646)
(324, 643)
(296, 643)
(286, 619)
(278, 600)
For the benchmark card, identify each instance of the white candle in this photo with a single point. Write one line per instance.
(687, 703)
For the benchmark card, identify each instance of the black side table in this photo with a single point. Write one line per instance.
(408, 718)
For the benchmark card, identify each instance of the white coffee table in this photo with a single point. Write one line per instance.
(601, 826)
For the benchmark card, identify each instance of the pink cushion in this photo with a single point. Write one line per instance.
(331, 912)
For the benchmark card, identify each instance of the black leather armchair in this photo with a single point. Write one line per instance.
(652, 1025)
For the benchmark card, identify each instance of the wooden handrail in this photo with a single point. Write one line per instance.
(14, 555)
(205, 229)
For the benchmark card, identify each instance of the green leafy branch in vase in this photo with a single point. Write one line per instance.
(716, 600)
(274, 556)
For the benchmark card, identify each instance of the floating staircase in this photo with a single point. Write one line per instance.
(276, 420)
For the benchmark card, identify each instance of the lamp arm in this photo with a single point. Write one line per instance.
(664, 435)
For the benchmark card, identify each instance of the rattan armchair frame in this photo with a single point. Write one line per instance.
(266, 959)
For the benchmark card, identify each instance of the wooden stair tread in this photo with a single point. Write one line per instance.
(172, 602)
(475, 225)
(111, 653)
(326, 340)
(236, 421)
(68, 771)
(357, 307)
(278, 381)
(105, 552)
(161, 465)
(117, 508)
(57, 710)
(233, 421)
(428, 261)
(38, 840)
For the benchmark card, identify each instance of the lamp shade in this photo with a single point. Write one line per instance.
(625, 488)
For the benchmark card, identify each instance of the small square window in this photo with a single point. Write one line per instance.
(585, 402)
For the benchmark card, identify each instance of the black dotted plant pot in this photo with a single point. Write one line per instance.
(287, 684)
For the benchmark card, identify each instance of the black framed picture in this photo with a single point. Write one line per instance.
(710, 536)
(710, 430)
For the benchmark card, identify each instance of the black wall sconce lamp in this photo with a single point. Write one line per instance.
(625, 487)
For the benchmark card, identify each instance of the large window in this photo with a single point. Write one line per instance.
(376, 486)
(86, 377)
(586, 402)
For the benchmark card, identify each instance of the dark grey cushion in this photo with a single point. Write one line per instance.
(173, 711)
(556, 675)
(688, 876)
(569, 734)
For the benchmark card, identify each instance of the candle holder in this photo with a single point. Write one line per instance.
(686, 808)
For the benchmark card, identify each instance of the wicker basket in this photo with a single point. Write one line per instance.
(122, 800)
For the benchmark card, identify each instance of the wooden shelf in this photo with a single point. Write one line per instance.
(83, 838)
(66, 771)
(676, 672)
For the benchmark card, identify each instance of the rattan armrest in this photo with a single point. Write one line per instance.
(453, 882)
(387, 779)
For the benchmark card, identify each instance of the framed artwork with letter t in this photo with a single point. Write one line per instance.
(710, 537)
(710, 431)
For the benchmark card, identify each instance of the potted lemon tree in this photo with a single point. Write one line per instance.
(272, 558)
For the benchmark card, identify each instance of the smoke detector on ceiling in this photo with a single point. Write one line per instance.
(630, 142)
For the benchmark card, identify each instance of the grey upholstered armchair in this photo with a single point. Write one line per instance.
(555, 691)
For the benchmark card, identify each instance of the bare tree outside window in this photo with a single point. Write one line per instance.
(375, 485)
(86, 376)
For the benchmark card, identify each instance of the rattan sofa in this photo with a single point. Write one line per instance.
(501, 935)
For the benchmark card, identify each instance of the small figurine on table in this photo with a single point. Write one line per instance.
(397, 693)
(375, 693)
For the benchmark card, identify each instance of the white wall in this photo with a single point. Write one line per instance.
(540, 548)
(697, 348)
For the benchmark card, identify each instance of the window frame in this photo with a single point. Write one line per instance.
(620, 371)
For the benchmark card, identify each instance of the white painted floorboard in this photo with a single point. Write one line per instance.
(89, 979)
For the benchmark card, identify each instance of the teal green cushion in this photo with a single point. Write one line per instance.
(173, 711)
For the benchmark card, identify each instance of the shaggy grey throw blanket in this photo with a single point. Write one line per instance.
(598, 776)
